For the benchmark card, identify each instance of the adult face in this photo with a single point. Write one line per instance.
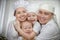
(21, 14)
(44, 16)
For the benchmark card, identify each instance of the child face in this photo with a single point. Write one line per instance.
(32, 17)
(27, 27)
(21, 14)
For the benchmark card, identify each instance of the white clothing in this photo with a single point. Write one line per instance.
(37, 27)
(12, 34)
(50, 31)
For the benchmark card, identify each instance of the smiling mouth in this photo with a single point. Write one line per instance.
(32, 20)
(28, 32)
(42, 20)
(22, 17)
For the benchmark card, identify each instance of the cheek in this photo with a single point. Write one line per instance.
(38, 17)
(31, 29)
(35, 17)
(48, 17)
(25, 14)
(28, 18)
(17, 15)
(23, 29)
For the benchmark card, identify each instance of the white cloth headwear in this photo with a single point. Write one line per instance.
(20, 3)
(33, 7)
(48, 7)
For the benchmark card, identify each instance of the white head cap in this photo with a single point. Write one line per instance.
(20, 3)
(33, 7)
(48, 7)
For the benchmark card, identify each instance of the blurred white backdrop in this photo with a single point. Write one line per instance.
(7, 11)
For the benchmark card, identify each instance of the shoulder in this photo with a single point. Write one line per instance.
(52, 23)
(19, 38)
(51, 27)
(37, 27)
(11, 22)
(37, 23)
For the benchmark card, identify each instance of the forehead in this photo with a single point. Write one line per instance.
(21, 9)
(31, 13)
(26, 23)
(44, 10)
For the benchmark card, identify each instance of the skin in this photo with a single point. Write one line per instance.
(32, 17)
(27, 28)
(44, 16)
(21, 14)
(24, 34)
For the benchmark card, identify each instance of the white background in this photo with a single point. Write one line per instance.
(7, 11)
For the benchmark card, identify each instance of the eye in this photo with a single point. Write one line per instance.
(40, 12)
(24, 11)
(46, 13)
(29, 27)
(18, 12)
(28, 16)
(33, 15)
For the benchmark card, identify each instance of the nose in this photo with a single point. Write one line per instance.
(22, 15)
(42, 16)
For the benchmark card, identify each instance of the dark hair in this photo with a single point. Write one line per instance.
(14, 12)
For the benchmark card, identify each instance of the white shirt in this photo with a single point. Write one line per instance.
(19, 38)
(50, 31)
(37, 27)
(11, 32)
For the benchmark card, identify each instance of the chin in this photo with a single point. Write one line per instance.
(22, 20)
(43, 23)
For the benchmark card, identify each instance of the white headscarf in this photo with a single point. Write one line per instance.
(51, 9)
(48, 7)
(33, 7)
(20, 3)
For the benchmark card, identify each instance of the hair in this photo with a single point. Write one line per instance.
(14, 12)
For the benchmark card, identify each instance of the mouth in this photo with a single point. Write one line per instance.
(32, 20)
(28, 32)
(42, 19)
(22, 17)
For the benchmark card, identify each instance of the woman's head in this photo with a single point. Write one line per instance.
(20, 10)
(20, 14)
(45, 14)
